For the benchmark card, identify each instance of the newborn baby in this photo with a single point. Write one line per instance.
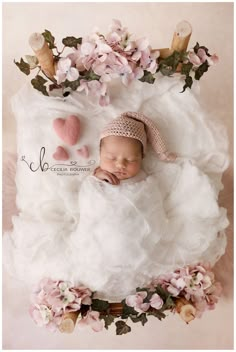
(122, 219)
(122, 147)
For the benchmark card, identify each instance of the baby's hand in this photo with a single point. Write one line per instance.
(106, 176)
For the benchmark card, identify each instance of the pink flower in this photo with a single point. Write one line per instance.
(213, 59)
(117, 28)
(92, 319)
(156, 301)
(194, 59)
(201, 56)
(176, 286)
(136, 301)
(201, 53)
(65, 71)
(52, 299)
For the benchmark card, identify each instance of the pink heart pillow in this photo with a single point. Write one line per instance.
(61, 154)
(68, 129)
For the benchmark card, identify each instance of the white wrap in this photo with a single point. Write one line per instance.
(117, 237)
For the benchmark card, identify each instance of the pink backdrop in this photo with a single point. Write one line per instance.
(213, 27)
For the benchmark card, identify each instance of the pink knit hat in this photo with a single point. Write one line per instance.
(138, 126)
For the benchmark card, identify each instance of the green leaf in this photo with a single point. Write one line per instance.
(109, 319)
(100, 305)
(186, 68)
(196, 47)
(127, 311)
(90, 76)
(71, 42)
(32, 61)
(73, 85)
(38, 83)
(23, 66)
(49, 39)
(162, 292)
(169, 303)
(201, 69)
(188, 83)
(147, 77)
(122, 328)
(140, 318)
(168, 65)
(157, 313)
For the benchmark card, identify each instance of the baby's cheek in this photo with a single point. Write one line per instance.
(134, 166)
(105, 164)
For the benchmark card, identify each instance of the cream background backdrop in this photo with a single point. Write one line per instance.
(213, 27)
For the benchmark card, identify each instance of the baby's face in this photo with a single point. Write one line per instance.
(121, 156)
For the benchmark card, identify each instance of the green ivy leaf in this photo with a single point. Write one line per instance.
(201, 69)
(100, 305)
(188, 83)
(73, 85)
(157, 313)
(186, 68)
(71, 42)
(162, 292)
(140, 318)
(32, 61)
(109, 319)
(197, 46)
(38, 83)
(49, 39)
(122, 328)
(23, 66)
(127, 311)
(168, 65)
(147, 77)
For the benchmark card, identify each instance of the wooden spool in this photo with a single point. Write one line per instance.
(179, 42)
(43, 53)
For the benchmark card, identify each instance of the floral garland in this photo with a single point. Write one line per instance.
(97, 59)
(188, 291)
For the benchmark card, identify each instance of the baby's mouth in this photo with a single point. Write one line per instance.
(119, 173)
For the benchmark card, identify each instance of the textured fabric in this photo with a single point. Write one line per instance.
(138, 126)
(126, 234)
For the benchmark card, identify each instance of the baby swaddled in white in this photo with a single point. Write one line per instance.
(125, 231)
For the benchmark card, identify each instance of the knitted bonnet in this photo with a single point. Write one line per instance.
(138, 126)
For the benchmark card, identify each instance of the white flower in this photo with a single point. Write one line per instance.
(65, 71)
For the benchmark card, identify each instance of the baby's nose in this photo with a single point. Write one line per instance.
(121, 164)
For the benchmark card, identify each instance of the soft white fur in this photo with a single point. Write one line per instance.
(40, 243)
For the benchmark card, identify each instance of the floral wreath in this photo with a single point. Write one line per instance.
(189, 291)
(97, 59)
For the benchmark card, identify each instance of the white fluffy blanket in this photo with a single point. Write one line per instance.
(52, 235)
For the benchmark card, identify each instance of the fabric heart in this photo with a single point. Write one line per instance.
(61, 154)
(68, 129)
(84, 152)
